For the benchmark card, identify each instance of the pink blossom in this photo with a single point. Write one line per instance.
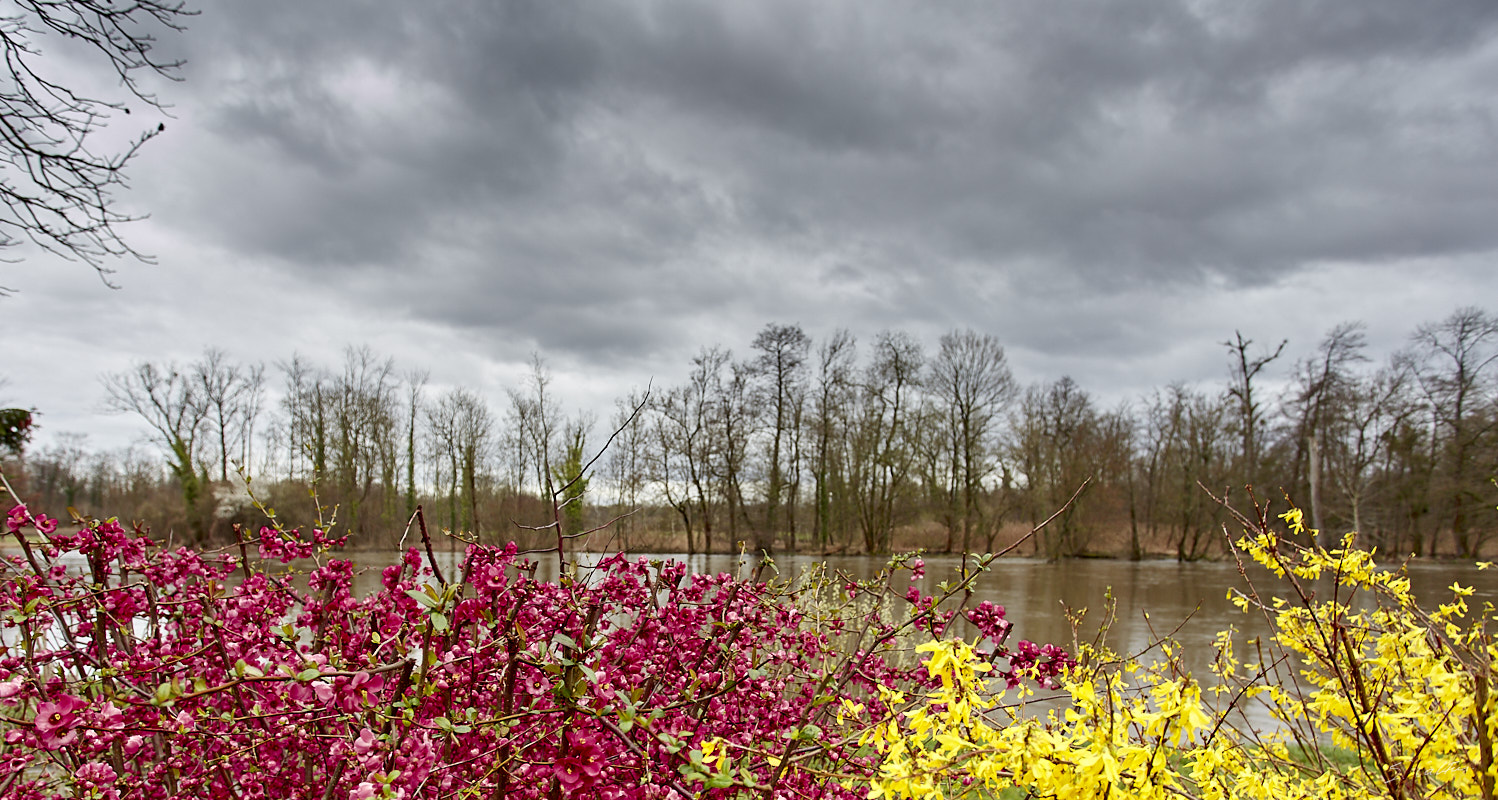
(110, 718)
(95, 772)
(55, 721)
(15, 519)
(601, 688)
(582, 766)
(650, 633)
(365, 682)
(366, 742)
(19, 517)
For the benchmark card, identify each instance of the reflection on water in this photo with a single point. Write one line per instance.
(1187, 601)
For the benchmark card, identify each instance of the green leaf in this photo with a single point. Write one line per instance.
(422, 598)
(565, 640)
(439, 622)
(309, 674)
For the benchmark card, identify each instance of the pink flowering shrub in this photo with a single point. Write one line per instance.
(129, 671)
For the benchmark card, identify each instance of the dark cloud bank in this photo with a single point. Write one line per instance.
(613, 184)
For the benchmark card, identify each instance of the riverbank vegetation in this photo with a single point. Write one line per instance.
(822, 446)
(1362, 694)
(132, 670)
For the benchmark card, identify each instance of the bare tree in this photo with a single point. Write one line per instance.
(780, 369)
(252, 401)
(835, 393)
(168, 401)
(416, 381)
(1051, 437)
(542, 419)
(971, 379)
(517, 445)
(305, 407)
(359, 411)
(735, 415)
(1250, 409)
(1457, 375)
(627, 459)
(684, 438)
(1321, 383)
(442, 443)
(230, 394)
(463, 431)
(1159, 441)
(672, 446)
(884, 456)
(56, 186)
(1205, 460)
(1366, 418)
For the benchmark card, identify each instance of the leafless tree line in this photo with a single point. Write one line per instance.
(832, 446)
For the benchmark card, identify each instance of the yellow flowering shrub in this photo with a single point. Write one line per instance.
(1369, 697)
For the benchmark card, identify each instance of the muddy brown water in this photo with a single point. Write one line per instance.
(1153, 599)
(1188, 602)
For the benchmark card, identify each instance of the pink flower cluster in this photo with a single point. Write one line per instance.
(153, 674)
(18, 517)
(288, 546)
(989, 620)
(1043, 664)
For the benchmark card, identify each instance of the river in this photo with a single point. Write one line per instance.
(1153, 598)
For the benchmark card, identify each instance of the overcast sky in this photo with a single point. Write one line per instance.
(1111, 189)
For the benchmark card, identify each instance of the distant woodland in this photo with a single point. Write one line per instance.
(837, 445)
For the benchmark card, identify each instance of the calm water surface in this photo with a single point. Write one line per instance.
(1189, 602)
(1154, 598)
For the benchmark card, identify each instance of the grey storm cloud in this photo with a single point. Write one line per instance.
(1109, 188)
(1155, 141)
(613, 177)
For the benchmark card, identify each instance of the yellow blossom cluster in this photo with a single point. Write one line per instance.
(1367, 695)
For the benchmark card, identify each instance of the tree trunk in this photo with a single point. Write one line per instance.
(1315, 477)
